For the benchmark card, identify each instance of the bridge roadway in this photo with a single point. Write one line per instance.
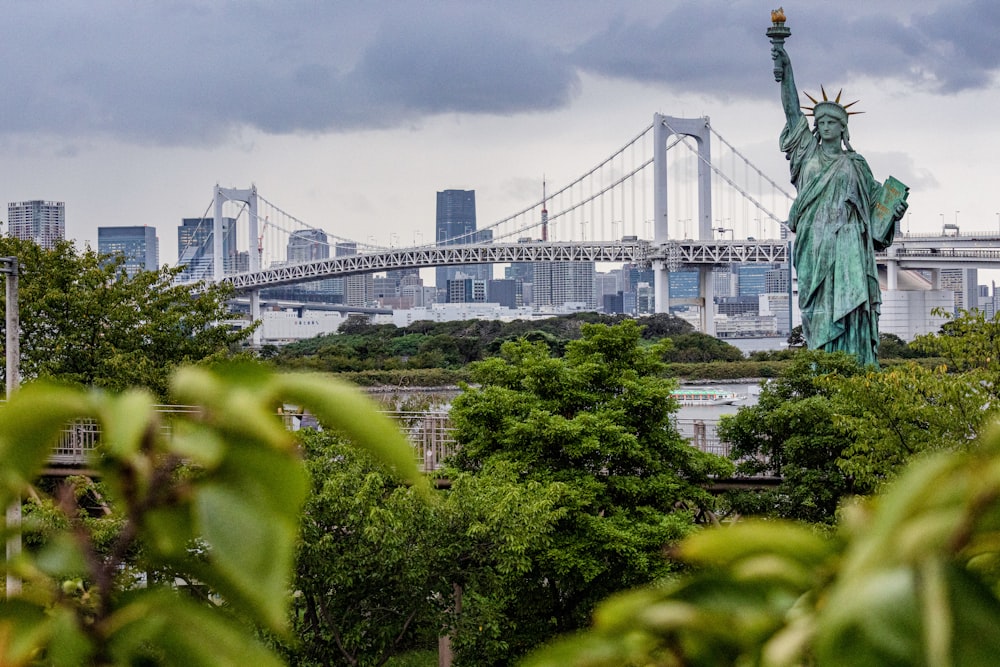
(909, 252)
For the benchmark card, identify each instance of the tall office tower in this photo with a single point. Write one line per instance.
(357, 290)
(311, 245)
(43, 222)
(605, 284)
(138, 243)
(776, 280)
(560, 283)
(752, 279)
(456, 225)
(964, 283)
(338, 286)
(399, 275)
(307, 245)
(194, 247)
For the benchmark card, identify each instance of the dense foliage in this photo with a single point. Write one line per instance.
(380, 570)
(910, 578)
(830, 429)
(791, 433)
(359, 346)
(213, 500)
(83, 320)
(599, 422)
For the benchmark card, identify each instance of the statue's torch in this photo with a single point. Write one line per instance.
(778, 34)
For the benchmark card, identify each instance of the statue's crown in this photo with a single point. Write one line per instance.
(830, 106)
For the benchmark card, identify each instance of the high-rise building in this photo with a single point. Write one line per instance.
(195, 245)
(752, 279)
(560, 283)
(964, 283)
(456, 225)
(307, 245)
(43, 222)
(137, 243)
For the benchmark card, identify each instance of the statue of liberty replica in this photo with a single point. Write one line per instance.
(840, 217)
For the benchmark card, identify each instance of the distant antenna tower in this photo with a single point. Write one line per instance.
(545, 214)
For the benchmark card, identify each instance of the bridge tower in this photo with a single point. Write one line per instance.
(698, 128)
(249, 197)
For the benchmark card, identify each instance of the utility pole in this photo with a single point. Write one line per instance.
(8, 267)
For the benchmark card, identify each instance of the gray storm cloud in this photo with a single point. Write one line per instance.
(193, 72)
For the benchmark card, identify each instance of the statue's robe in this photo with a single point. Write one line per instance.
(834, 248)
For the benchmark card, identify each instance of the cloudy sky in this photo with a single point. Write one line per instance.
(351, 115)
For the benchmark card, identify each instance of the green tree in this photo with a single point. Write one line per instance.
(368, 561)
(792, 432)
(696, 346)
(910, 578)
(598, 421)
(379, 570)
(212, 495)
(83, 320)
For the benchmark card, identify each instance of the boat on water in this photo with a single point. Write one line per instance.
(705, 396)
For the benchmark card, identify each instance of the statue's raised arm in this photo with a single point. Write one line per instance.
(778, 33)
(783, 75)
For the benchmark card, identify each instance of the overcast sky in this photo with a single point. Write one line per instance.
(351, 115)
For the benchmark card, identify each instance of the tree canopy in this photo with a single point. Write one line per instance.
(599, 422)
(84, 320)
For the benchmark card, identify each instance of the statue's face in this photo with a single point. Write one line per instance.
(830, 129)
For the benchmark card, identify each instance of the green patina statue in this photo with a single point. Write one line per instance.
(840, 217)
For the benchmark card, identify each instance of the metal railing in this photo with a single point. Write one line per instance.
(430, 433)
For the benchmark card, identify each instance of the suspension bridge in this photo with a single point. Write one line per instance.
(660, 201)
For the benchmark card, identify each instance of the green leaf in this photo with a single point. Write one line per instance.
(164, 628)
(237, 400)
(125, 419)
(749, 539)
(24, 629)
(872, 620)
(169, 531)
(30, 424)
(251, 550)
(343, 407)
(69, 645)
(61, 557)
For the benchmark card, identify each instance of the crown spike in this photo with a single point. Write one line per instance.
(838, 96)
(814, 100)
(848, 106)
(823, 90)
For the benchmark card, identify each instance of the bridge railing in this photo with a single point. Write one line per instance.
(430, 433)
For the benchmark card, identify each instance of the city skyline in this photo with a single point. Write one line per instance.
(359, 117)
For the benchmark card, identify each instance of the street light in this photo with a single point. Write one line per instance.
(723, 230)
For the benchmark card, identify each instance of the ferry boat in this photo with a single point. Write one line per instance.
(705, 396)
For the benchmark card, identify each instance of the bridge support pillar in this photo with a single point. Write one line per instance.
(698, 128)
(661, 288)
(891, 270)
(706, 289)
(255, 317)
(249, 197)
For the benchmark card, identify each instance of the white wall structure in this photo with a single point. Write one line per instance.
(283, 326)
(449, 312)
(907, 313)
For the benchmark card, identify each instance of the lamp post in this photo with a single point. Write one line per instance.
(723, 230)
(8, 267)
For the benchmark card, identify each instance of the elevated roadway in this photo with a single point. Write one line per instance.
(909, 252)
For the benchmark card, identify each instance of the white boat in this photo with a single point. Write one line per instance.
(705, 396)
